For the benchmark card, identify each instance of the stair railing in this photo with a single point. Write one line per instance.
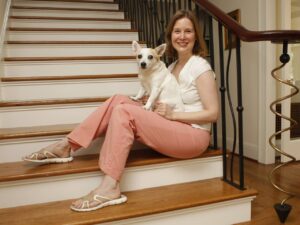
(151, 17)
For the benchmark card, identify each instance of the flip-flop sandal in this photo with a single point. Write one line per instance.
(103, 202)
(47, 157)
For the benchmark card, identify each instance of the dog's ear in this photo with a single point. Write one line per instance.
(160, 50)
(136, 47)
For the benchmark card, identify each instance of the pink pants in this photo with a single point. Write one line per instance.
(124, 120)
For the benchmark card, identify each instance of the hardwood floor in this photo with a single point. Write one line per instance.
(263, 213)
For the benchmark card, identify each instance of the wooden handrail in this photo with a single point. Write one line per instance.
(277, 36)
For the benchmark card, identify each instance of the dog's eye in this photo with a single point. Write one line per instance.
(139, 56)
(150, 57)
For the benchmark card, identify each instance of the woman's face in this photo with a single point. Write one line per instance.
(183, 36)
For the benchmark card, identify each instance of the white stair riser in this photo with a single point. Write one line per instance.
(64, 50)
(13, 150)
(67, 13)
(83, 0)
(77, 5)
(47, 115)
(206, 214)
(58, 188)
(68, 89)
(71, 67)
(30, 23)
(71, 36)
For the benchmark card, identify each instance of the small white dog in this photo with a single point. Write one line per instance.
(156, 80)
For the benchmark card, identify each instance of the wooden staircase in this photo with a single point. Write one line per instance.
(61, 59)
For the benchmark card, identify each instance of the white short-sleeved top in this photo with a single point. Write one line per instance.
(193, 68)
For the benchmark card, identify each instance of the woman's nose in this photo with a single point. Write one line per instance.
(182, 35)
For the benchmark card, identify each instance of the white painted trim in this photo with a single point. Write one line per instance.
(4, 25)
(267, 86)
(250, 149)
(226, 211)
(288, 145)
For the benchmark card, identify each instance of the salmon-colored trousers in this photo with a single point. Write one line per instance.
(124, 120)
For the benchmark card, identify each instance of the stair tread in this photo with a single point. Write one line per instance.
(71, 77)
(69, 29)
(35, 131)
(41, 102)
(87, 163)
(75, 42)
(140, 203)
(62, 58)
(68, 18)
(79, 1)
(63, 8)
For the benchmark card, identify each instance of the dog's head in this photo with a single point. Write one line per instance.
(147, 57)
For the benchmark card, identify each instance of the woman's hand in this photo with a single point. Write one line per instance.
(164, 110)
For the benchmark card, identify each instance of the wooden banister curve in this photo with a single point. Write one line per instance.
(276, 36)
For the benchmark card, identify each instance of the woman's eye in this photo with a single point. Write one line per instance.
(139, 56)
(150, 57)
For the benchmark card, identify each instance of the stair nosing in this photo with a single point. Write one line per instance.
(68, 18)
(78, 1)
(57, 78)
(67, 9)
(52, 102)
(36, 131)
(71, 29)
(71, 42)
(67, 58)
(34, 171)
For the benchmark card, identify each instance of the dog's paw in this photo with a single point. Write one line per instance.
(134, 98)
(148, 108)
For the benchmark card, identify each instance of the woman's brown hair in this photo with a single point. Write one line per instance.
(199, 46)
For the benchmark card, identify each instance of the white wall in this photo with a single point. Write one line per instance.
(296, 48)
(257, 121)
(3, 19)
(250, 73)
(4, 6)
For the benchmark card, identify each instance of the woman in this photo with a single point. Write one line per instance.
(125, 120)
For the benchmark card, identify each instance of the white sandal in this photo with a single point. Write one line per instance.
(47, 157)
(103, 202)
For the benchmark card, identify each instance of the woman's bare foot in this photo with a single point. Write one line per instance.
(107, 192)
(60, 149)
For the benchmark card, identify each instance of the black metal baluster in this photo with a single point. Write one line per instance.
(134, 16)
(230, 105)
(120, 2)
(147, 39)
(174, 6)
(151, 24)
(240, 109)
(169, 11)
(223, 110)
(129, 8)
(162, 22)
(155, 26)
(139, 27)
(190, 4)
(125, 9)
(212, 63)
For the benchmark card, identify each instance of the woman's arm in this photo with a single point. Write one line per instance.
(207, 89)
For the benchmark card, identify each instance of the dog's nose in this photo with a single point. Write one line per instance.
(143, 65)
